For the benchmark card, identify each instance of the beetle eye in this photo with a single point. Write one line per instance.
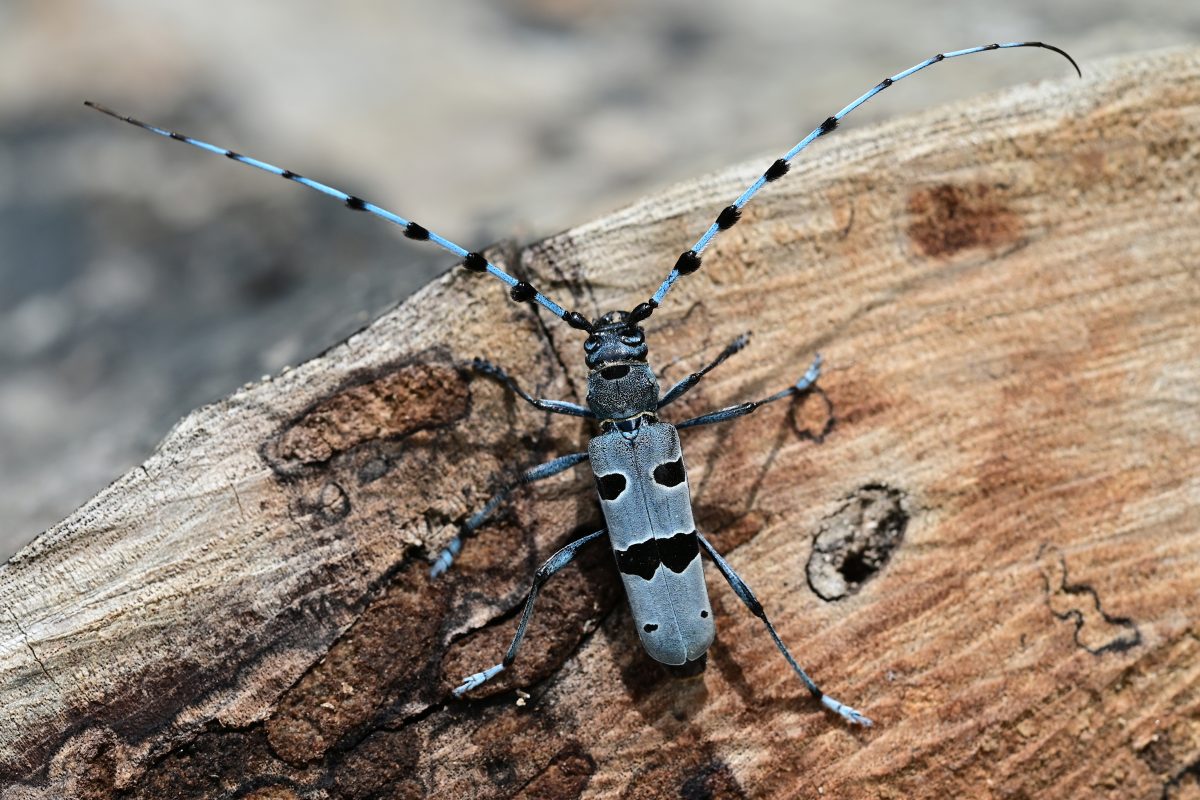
(591, 344)
(632, 339)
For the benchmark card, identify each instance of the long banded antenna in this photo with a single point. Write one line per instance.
(689, 260)
(519, 291)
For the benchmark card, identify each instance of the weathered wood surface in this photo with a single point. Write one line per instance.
(1006, 294)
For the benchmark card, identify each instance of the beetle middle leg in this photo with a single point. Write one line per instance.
(806, 382)
(552, 565)
(746, 596)
(560, 464)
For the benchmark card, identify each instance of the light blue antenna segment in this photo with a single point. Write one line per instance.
(411, 229)
(827, 126)
(657, 299)
(446, 244)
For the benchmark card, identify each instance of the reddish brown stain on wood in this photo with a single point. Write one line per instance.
(221, 763)
(950, 218)
(383, 660)
(566, 607)
(273, 793)
(383, 764)
(565, 777)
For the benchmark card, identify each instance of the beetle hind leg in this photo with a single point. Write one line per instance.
(552, 565)
(746, 596)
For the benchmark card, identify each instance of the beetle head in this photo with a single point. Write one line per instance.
(613, 339)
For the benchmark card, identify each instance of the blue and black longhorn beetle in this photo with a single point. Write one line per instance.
(636, 458)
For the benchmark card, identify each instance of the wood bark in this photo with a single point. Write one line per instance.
(984, 531)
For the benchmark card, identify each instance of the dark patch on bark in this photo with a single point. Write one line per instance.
(1177, 785)
(566, 776)
(684, 768)
(330, 504)
(222, 763)
(384, 764)
(387, 404)
(713, 781)
(946, 219)
(857, 540)
(372, 667)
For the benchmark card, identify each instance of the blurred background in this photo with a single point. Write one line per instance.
(140, 279)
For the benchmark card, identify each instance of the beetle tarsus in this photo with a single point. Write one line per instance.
(478, 679)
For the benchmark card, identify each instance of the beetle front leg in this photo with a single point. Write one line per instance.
(678, 390)
(485, 367)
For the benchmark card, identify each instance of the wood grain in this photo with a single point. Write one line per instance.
(1003, 511)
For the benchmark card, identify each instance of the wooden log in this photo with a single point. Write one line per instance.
(994, 550)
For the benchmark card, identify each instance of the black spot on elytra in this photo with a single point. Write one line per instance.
(611, 486)
(640, 559)
(615, 372)
(649, 627)
(703, 615)
(675, 552)
(670, 474)
(679, 551)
